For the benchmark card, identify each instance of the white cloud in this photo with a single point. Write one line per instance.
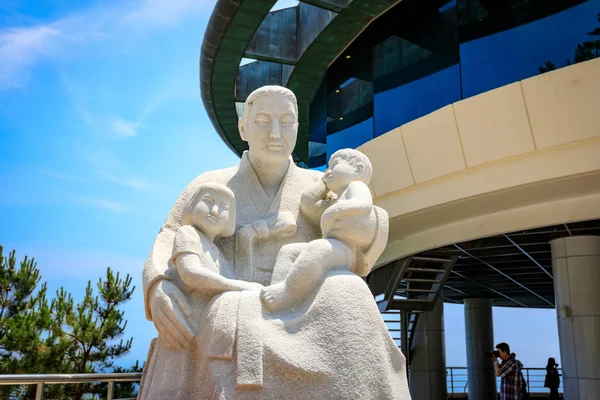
(125, 128)
(97, 202)
(78, 98)
(153, 12)
(106, 166)
(129, 181)
(59, 175)
(173, 89)
(22, 47)
(116, 126)
(101, 159)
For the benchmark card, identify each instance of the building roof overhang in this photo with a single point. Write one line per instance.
(232, 26)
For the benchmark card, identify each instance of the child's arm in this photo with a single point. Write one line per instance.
(313, 202)
(356, 200)
(199, 278)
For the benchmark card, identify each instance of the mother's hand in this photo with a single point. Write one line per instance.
(171, 312)
(282, 224)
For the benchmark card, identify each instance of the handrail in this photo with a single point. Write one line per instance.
(40, 380)
(29, 379)
(456, 378)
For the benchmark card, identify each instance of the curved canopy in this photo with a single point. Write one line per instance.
(232, 27)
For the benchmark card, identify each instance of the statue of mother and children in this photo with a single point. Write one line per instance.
(254, 282)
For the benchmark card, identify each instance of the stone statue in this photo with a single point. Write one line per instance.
(273, 308)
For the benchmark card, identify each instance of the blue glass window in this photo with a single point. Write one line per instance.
(516, 54)
(403, 104)
(422, 55)
(351, 137)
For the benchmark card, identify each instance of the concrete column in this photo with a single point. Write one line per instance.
(479, 331)
(428, 356)
(576, 269)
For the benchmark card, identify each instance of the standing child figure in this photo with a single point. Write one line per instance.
(348, 223)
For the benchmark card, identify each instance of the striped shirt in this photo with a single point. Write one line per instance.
(512, 379)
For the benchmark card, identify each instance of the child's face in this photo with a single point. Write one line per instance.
(211, 212)
(340, 174)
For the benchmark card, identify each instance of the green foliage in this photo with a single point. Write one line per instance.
(549, 66)
(41, 336)
(585, 51)
(126, 389)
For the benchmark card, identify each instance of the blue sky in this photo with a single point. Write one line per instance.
(101, 128)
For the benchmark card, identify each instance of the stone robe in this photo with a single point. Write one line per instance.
(333, 346)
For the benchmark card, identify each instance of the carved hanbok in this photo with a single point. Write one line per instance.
(333, 346)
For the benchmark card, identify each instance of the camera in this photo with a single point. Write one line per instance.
(490, 354)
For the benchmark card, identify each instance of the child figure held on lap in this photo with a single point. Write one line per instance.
(343, 202)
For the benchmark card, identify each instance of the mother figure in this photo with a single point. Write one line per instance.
(333, 346)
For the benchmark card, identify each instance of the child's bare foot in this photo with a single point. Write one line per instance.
(276, 297)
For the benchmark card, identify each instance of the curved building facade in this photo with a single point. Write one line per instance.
(480, 118)
(423, 55)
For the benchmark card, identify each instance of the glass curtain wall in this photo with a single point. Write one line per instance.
(423, 55)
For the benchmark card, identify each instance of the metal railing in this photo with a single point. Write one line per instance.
(457, 380)
(52, 379)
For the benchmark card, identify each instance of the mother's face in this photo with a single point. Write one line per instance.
(271, 129)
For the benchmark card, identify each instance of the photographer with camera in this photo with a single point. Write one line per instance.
(513, 384)
(552, 380)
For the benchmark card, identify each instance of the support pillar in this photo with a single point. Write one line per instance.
(576, 270)
(479, 331)
(428, 356)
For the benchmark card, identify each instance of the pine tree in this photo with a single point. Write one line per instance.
(94, 325)
(38, 336)
(585, 51)
(126, 389)
(28, 335)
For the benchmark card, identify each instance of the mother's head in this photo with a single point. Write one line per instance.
(270, 123)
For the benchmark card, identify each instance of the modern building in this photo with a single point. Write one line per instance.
(482, 120)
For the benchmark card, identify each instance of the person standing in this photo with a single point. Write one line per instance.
(512, 384)
(552, 381)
